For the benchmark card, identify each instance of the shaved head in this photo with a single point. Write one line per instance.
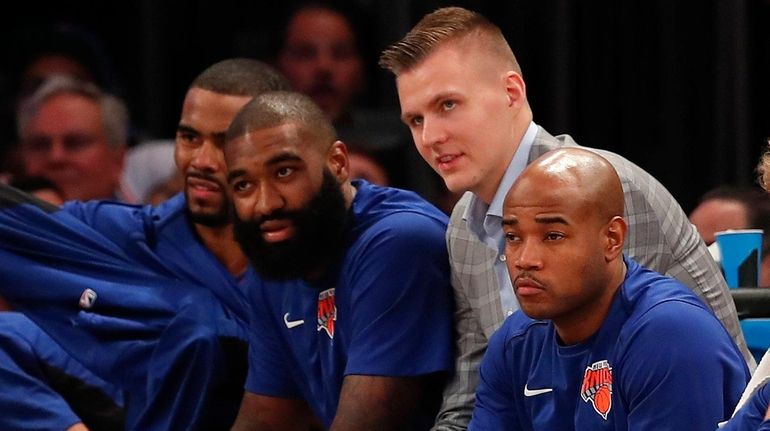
(277, 108)
(587, 176)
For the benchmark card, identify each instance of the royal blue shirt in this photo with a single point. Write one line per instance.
(384, 310)
(661, 360)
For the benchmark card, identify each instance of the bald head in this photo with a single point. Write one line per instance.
(580, 175)
(281, 107)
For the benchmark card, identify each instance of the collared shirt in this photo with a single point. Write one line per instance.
(486, 220)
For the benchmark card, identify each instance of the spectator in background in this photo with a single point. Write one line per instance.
(322, 54)
(76, 136)
(728, 207)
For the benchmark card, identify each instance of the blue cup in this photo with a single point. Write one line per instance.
(741, 252)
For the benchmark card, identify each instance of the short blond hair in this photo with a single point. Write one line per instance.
(441, 26)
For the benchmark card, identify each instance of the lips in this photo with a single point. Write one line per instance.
(447, 161)
(526, 286)
(276, 230)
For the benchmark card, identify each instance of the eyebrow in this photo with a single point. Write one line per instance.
(218, 136)
(433, 101)
(513, 221)
(235, 173)
(186, 128)
(284, 157)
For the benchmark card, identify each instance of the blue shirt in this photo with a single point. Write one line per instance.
(661, 360)
(486, 220)
(751, 417)
(131, 293)
(385, 310)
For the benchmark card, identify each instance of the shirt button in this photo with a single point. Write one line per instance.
(502, 258)
(510, 312)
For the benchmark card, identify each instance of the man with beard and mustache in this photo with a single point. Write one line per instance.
(162, 303)
(351, 316)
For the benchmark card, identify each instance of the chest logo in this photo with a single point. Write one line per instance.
(597, 387)
(327, 312)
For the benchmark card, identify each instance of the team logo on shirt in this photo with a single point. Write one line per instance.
(327, 312)
(597, 387)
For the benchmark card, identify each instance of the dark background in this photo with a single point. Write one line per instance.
(680, 88)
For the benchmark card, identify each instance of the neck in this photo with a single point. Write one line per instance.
(518, 129)
(583, 322)
(349, 192)
(221, 242)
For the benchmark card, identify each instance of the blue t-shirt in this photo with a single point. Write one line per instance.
(385, 310)
(661, 360)
(135, 297)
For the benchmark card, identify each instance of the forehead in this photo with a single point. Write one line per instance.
(536, 194)
(67, 110)
(313, 25)
(453, 66)
(263, 145)
(208, 111)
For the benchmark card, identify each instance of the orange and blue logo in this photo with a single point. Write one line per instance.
(597, 387)
(327, 312)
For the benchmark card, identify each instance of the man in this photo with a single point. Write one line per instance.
(602, 342)
(352, 319)
(160, 290)
(463, 97)
(75, 135)
(320, 54)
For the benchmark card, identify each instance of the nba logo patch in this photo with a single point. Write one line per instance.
(597, 387)
(327, 312)
(87, 299)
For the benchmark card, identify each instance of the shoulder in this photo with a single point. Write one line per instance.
(519, 329)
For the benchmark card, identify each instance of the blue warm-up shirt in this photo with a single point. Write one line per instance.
(385, 310)
(661, 360)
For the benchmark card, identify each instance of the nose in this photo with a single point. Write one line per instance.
(268, 200)
(208, 157)
(433, 132)
(57, 152)
(525, 256)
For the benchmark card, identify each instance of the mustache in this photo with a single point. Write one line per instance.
(529, 277)
(206, 177)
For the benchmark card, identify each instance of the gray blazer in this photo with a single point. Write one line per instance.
(659, 237)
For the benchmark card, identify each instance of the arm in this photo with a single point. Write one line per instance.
(263, 413)
(694, 378)
(372, 403)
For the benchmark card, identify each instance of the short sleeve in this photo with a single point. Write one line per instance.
(400, 301)
(681, 370)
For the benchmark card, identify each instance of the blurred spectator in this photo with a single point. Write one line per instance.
(148, 166)
(322, 52)
(366, 166)
(728, 207)
(75, 135)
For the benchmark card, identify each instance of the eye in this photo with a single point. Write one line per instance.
(448, 105)
(241, 186)
(553, 236)
(284, 172)
(511, 237)
(416, 121)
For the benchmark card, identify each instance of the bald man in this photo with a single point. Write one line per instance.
(352, 319)
(600, 342)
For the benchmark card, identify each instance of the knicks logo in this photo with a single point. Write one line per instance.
(597, 387)
(327, 312)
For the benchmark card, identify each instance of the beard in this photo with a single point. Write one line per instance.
(319, 240)
(217, 217)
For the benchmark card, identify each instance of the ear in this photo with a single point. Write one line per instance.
(337, 161)
(616, 237)
(515, 88)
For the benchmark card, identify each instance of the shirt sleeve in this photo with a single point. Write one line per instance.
(269, 370)
(400, 301)
(751, 416)
(495, 401)
(680, 370)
